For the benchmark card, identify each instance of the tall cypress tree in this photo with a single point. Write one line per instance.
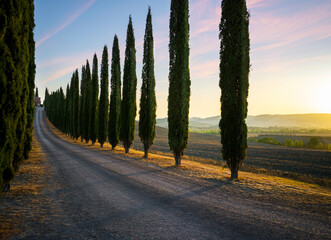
(46, 100)
(81, 103)
(234, 71)
(104, 100)
(67, 116)
(147, 113)
(179, 78)
(115, 96)
(128, 104)
(31, 78)
(71, 93)
(75, 102)
(60, 109)
(37, 94)
(94, 100)
(16, 24)
(22, 65)
(86, 107)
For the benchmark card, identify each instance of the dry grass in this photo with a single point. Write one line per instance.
(259, 184)
(23, 194)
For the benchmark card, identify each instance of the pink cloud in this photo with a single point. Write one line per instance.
(272, 31)
(205, 69)
(67, 22)
(59, 73)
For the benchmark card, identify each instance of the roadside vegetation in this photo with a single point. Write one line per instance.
(313, 143)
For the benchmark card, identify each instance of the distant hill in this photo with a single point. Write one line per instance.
(290, 121)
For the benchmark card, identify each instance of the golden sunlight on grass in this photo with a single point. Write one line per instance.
(207, 169)
(25, 189)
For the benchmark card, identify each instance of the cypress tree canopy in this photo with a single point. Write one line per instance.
(147, 113)
(128, 104)
(31, 78)
(67, 111)
(81, 104)
(104, 101)
(86, 106)
(75, 102)
(115, 96)
(94, 92)
(179, 78)
(234, 71)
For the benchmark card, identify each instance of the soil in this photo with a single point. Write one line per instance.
(298, 163)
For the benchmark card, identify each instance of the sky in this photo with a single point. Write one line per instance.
(290, 49)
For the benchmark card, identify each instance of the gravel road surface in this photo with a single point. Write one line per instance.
(104, 196)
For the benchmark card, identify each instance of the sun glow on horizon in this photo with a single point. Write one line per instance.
(321, 96)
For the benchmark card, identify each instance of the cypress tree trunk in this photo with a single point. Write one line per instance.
(104, 101)
(178, 159)
(179, 78)
(147, 113)
(234, 71)
(86, 119)
(146, 147)
(128, 104)
(94, 100)
(115, 96)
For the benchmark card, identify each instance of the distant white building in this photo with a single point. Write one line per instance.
(37, 101)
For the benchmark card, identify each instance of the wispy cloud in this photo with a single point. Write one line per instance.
(67, 22)
(59, 73)
(56, 68)
(270, 30)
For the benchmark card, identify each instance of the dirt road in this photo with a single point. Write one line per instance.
(103, 196)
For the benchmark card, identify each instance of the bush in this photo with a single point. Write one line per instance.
(253, 139)
(298, 143)
(269, 140)
(327, 146)
(314, 143)
(289, 143)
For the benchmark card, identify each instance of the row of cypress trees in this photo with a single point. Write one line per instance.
(234, 71)
(17, 74)
(102, 118)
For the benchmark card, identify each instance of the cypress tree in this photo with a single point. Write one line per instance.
(22, 65)
(16, 26)
(46, 100)
(67, 110)
(75, 102)
(147, 113)
(10, 89)
(234, 71)
(179, 78)
(81, 104)
(31, 85)
(71, 106)
(94, 100)
(37, 95)
(104, 100)
(128, 104)
(86, 107)
(61, 109)
(115, 96)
